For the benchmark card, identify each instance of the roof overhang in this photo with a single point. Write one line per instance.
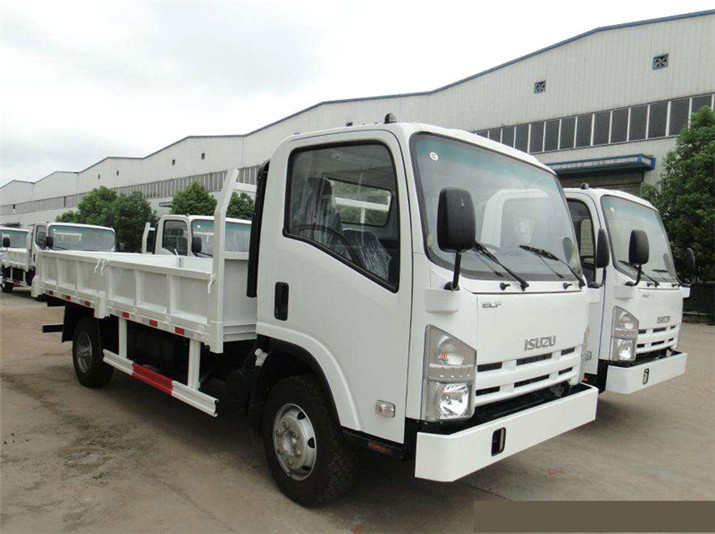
(640, 162)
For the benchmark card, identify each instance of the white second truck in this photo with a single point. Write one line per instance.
(19, 263)
(636, 317)
(444, 327)
(193, 235)
(15, 242)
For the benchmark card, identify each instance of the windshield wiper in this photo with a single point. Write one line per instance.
(486, 252)
(552, 256)
(655, 282)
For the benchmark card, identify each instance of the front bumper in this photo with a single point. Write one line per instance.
(447, 457)
(628, 380)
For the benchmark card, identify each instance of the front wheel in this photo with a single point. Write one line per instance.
(307, 453)
(89, 366)
(6, 286)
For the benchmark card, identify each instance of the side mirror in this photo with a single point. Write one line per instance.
(690, 263)
(603, 257)
(603, 252)
(196, 245)
(638, 252)
(49, 241)
(122, 247)
(6, 242)
(456, 226)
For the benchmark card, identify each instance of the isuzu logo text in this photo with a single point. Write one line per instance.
(539, 342)
(663, 319)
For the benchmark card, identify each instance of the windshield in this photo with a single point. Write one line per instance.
(237, 236)
(18, 239)
(516, 205)
(624, 216)
(82, 238)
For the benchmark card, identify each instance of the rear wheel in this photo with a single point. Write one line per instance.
(89, 366)
(6, 285)
(307, 453)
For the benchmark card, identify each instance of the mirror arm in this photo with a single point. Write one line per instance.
(638, 277)
(454, 284)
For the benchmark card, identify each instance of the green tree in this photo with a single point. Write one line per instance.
(129, 215)
(96, 207)
(241, 206)
(685, 195)
(68, 217)
(193, 199)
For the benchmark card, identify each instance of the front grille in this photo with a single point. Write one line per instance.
(532, 359)
(656, 339)
(530, 381)
(499, 381)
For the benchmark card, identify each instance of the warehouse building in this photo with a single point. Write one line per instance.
(602, 107)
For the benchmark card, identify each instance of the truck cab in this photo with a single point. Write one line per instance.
(13, 253)
(636, 314)
(193, 235)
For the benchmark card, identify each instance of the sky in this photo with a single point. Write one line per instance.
(80, 81)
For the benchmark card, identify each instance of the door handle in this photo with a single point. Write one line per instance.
(280, 306)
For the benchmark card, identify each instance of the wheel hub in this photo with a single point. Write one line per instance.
(294, 442)
(84, 352)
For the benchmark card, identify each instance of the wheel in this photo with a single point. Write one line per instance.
(89, 366)
(6, 286)
(307, 453)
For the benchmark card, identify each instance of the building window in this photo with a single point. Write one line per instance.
(568, 126)
(678, 115)
(700, 102)
(522, 137)
(507, 136)
(619, 125)
(551, 140)
(99, 176)
(203, 155)
(656, 119)
(637, 124)
(483, 133)
(583, 130)
(601, 125)
(173, 162)
(117, 173)
(540, 87)
(495, 134)
(660, 62)
(536, 140)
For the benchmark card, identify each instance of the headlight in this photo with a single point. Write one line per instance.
(448, 377)
(447, 401)
(625, 336)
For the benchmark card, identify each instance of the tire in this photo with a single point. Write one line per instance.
(332, 462)
(89, 366)
(6, 286)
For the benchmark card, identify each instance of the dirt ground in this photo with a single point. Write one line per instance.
(127, 458)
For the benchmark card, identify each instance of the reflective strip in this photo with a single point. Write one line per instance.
(160, 382)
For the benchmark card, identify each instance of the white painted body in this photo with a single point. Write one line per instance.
(649, 304)
(368, 341)
(15, 257)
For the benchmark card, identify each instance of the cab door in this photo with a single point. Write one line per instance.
(335, 271)
(586, 225)
(39, 237)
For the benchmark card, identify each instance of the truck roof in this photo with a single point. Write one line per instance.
(13, 229)
(407, 129)
(208, 218)
(597, 193)
(76, 225)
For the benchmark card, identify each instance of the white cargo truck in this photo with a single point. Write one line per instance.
(19, 264)
(193, 235)
(15, 242)
(634, 323)
(414, 328)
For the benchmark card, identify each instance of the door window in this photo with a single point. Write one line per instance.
(41, 236)
(583, 224)
(343, 199)
(174, 238)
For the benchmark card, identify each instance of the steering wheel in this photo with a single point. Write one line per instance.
(328, 230)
